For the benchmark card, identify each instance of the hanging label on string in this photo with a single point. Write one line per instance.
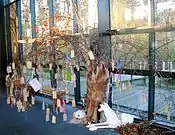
(58, 103)
(91, 55)
(53, 119)
(54, 95)
(13, 65)
(50, 66)
(73, 103)
(29, 64)
(64, 117)
(9, 69)
(43, 105)
(113, 65)
(166, 108)
(47, 118)
(72, 54)
(47, 111)
(33, 100)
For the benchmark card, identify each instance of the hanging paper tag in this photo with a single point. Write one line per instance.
(33, 100)
(72, 54)
(64, 117)
(8, 100)
(58, 103)
(129, 85)
(9, 69)
(56, 110)
(113, 65)
(22, 80)
(47, 111)
(123, 86)
(29, 64)
(47, 118)
(91, 55)
(166, 109)
(43, 105)
(168, 116)
(15, 49)
(35, 84)
(25, 94)
(54, 95)
(13, 65)
(73, 103)
(50, 66)
(53, 120)
(78, 69)
(24, 69)
(23, 108)
(56, 76)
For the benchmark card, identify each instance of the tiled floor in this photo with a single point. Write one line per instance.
(33, 122)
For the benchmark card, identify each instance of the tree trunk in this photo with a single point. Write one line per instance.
(97, 82)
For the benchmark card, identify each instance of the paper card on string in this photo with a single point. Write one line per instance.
(72, 54)
(53, 120)
(13, 65)
(113, 65)
(9, 69)
(67, 75)
(47, 118)
(91, 55)
(168, 116)
(35, 84)
(29, 64)
(166, 108)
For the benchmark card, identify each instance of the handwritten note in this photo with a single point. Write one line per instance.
(35, 84)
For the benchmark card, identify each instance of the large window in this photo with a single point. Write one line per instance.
(129, 13)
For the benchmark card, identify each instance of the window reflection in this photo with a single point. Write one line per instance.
(129, 13)
(165, 12)
(131, 50)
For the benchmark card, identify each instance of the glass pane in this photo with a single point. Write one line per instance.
(131, 51)
(165, 99)
(129, 13)
(165, 50)
(87, 15)
(130, 91)
(165, 10)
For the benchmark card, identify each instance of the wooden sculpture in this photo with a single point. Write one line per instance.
(97, 82)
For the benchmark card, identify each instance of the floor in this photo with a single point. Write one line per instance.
(33, 122)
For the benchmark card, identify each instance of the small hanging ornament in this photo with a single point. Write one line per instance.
(53, 119)
(8, 100)
(25, 94)
(123, 86)
(24, 70)
(56, 110)
(47, 118)
(166, 108)
(78, 68)
(67, 96)
(47, 111)
(73, 103)
(72, 54)
(58, 102)
(54, 94)
(113, 65)
(91, 55)
(117, 83)
(43, 106)
(168, 116)
(50, 66)
(64, 117)
(22, 80)
(33, 100)
(19, 105)
(29, 64)
(9, 69)
(23, 108)
(13, 65)
(129, 85)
